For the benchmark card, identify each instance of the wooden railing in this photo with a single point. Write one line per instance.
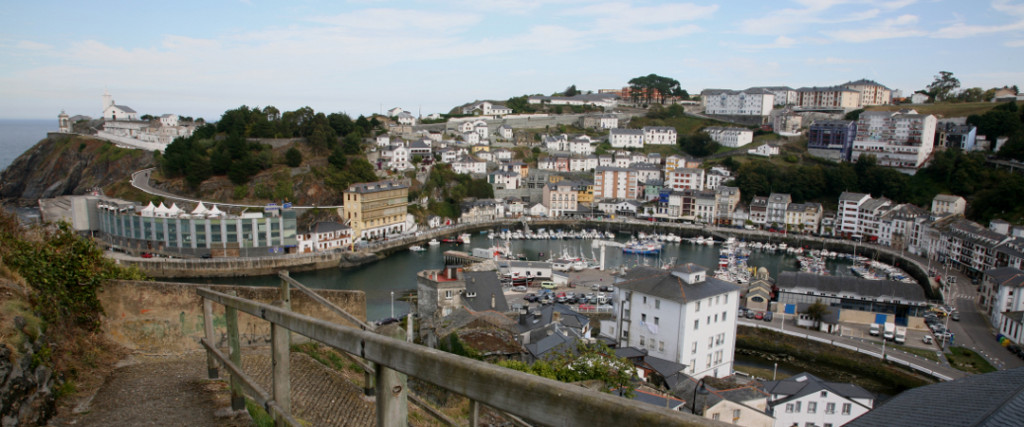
(533, 398)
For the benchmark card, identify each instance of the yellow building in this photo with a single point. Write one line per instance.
(376, 209)
(586, 193)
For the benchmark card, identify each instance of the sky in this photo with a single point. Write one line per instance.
(366, 56)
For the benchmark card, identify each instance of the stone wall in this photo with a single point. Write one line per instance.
(257, 266)
(166, 317)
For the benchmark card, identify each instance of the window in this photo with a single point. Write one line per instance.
(846, 408)
(643, 317)
(715, 416)
(656, 320)
(645, 299)
(641, 340)
(708, 365)
(711, 342)
(698, 306)
(661, 345)
(447, 294)
(723, 316)
(694, 350)
(830, 408)
(696, 324)
(789, 408)
(797, 410)
(716, 318)
(735, 414)
(824, 393)
(812, 407)
(657, 303)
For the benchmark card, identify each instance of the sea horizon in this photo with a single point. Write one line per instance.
(18, 135)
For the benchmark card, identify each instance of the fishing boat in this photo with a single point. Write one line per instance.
(433, 242)
(642, 247)
(417, 248)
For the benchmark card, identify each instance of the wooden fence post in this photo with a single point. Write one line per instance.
(280, 337)
(392, 397)
(234, 345)
(211, 362)
(474, 413)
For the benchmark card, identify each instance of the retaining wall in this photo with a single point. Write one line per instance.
(167, 317)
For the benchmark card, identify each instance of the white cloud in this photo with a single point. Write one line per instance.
(780, 42)
(898, 27)
(961, 30)
(31, 45)
(1014, 43)
(833, 61)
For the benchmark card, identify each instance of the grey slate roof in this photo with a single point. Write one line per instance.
(125, 108)
(624, 131)
(664, 284)
(1007, 276)
(804, 384)
(851, 287)
(559, 340)
(992, 399)
(484, 284)
(373, 187)
(329, 226)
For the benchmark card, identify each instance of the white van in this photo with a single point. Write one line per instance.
(875, 329)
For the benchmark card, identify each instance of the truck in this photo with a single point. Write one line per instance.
(875, 329)
(901, 335)
(890, 331)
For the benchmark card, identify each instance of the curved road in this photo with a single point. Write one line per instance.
(140, 180)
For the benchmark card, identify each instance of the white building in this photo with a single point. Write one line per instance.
(626, 138)
(112, 111)
(581, 146)
(406, 118)
(681, 315)
(616, 183)
(900, 140)
(505, 132)
(806, 400)
(606, 100)
(560, 198)
(715, 177)
(764, 150)
(324, 236)
(948, 204)
(487, 109)
(730, 136)
(685, 179)
(1008, 296)
(467, 164)
(751, 102)
(659, 135)
(471, 138)
(784, 95)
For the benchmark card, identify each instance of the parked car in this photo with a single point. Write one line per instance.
(768, 316)
(519, 288)
(758, 316)
(387, 321)
(147, 255)
(955, 317)
(531, 297)
(750, 314)
(927, 339)
(206, 256)
(548, 285)
(742, 312)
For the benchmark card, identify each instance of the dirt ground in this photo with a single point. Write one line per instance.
(152, 390)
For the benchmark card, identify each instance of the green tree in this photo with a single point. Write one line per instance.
(817, 311)
(944, 86)
(293, 157)
(645, 88)
(571, 91)
(853, 115)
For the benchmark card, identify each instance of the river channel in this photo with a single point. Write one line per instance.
(397, 273)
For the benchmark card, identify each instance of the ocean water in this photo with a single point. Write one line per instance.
(17, 136)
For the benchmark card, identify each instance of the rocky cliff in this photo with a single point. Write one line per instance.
(68, 164)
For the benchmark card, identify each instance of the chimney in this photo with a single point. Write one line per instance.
(493, 302)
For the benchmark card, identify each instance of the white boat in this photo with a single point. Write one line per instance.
(465, 238)
(417, 248)
(433, 242)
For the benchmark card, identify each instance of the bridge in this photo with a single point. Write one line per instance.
(391, 362)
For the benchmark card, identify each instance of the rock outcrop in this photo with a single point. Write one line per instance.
(64, 164)
(26, 388)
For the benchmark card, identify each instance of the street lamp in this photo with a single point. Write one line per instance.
(392, 304)
(703, 391)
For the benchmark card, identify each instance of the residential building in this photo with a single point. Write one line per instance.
(971, 248)
(778, 203)
(471, 138)
(406, 118)
(750, 102)
(806, 400)
(502, 180)
(900, 140)
(992, 399)
(952, 135)
(619, 207)
(560, 198)
(727, 199)
(943, 204)
(919, 98)
(626, 138)
(832, 139)
(787, 124)
(685, 178)
(659, 135)
(871, 92)
(803, 217)
(730, 136)
(324, 236)
(733, 402)
(705, 207)
(599, 121)
(831, 98)
(1012, 326)
(439, 292)
(605, 100)
(616, 183)
(715, 177)
(1004, 288)
(758, 211)
(677, 161)
(481, 210)
(376, 209)
(505, 132)
(581, 146)
(848, 216)
(681, 315)
(470, 165)
(784, 95)
(764, 150)
(486, 108)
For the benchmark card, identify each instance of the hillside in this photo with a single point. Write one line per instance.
(945, 109)
(67, 164)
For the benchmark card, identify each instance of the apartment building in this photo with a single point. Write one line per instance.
(659, 135)
(685, 178)
(376, 209)
(832, 139)
(834, 97)
(750, 102)
(626, 138)
(900, 140)
(730, 136)
(616, 183)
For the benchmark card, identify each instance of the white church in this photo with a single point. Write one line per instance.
(122, 126)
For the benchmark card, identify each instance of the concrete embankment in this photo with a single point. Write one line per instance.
(167, 268)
